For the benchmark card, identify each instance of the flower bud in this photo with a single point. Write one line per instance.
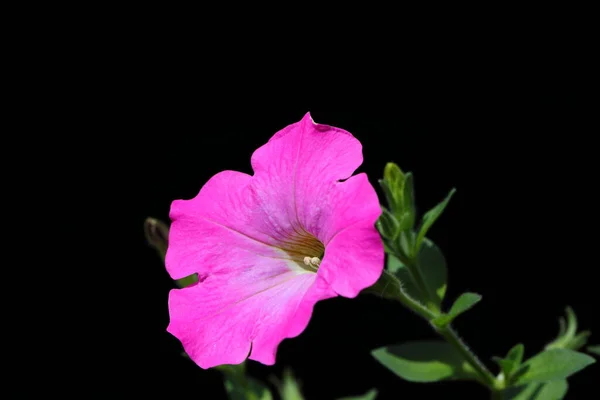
(388, 225)
(157, 235)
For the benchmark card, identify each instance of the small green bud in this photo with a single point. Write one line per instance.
(388, 225)
(398, 189)
(407, 213)
(393, 175)
(389, 195)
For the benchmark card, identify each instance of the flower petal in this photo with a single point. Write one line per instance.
(353, 259)
(212, 231)
(289, 319)
(345, 204)
(297, 182)
(354, 255)
(228, 316)
(298, 166)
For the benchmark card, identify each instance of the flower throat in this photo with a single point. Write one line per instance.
(306, 250)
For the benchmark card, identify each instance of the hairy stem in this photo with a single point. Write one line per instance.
(451, 337)
(390, 287)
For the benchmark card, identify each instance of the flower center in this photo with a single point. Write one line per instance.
(305, 250)
(314, 261)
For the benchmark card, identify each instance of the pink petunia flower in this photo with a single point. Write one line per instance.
(268, 247)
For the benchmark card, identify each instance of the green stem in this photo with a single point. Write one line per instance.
(451, 337)
(389, 281)
(390, 287)
(413, 270)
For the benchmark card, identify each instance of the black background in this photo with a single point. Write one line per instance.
(108, 122)
(513, 232)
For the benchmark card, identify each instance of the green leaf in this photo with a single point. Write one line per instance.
(388, 225)
(505, 365)
(290, 388)
(551, 365)
(512, 361)
(249, 389)
(239, 386)
(562, 326)
(234, 370)
(424, 361)
(433, 267)
(594, 349)
(571, 322)
(568, 338)
(515, 355)
(387, 249)
(401, 271)
(404, 244)
(553, 390)
(406, 216)
(430, 217)
(579, 340)
(370, 395)
(462, 304)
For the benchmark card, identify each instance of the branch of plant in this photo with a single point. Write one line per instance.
(448, 333)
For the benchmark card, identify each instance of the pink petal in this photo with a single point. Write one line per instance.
(299, 165)
(343, 205)
(297, 181)
(353, 259)
(222, 319)
(209, 232)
